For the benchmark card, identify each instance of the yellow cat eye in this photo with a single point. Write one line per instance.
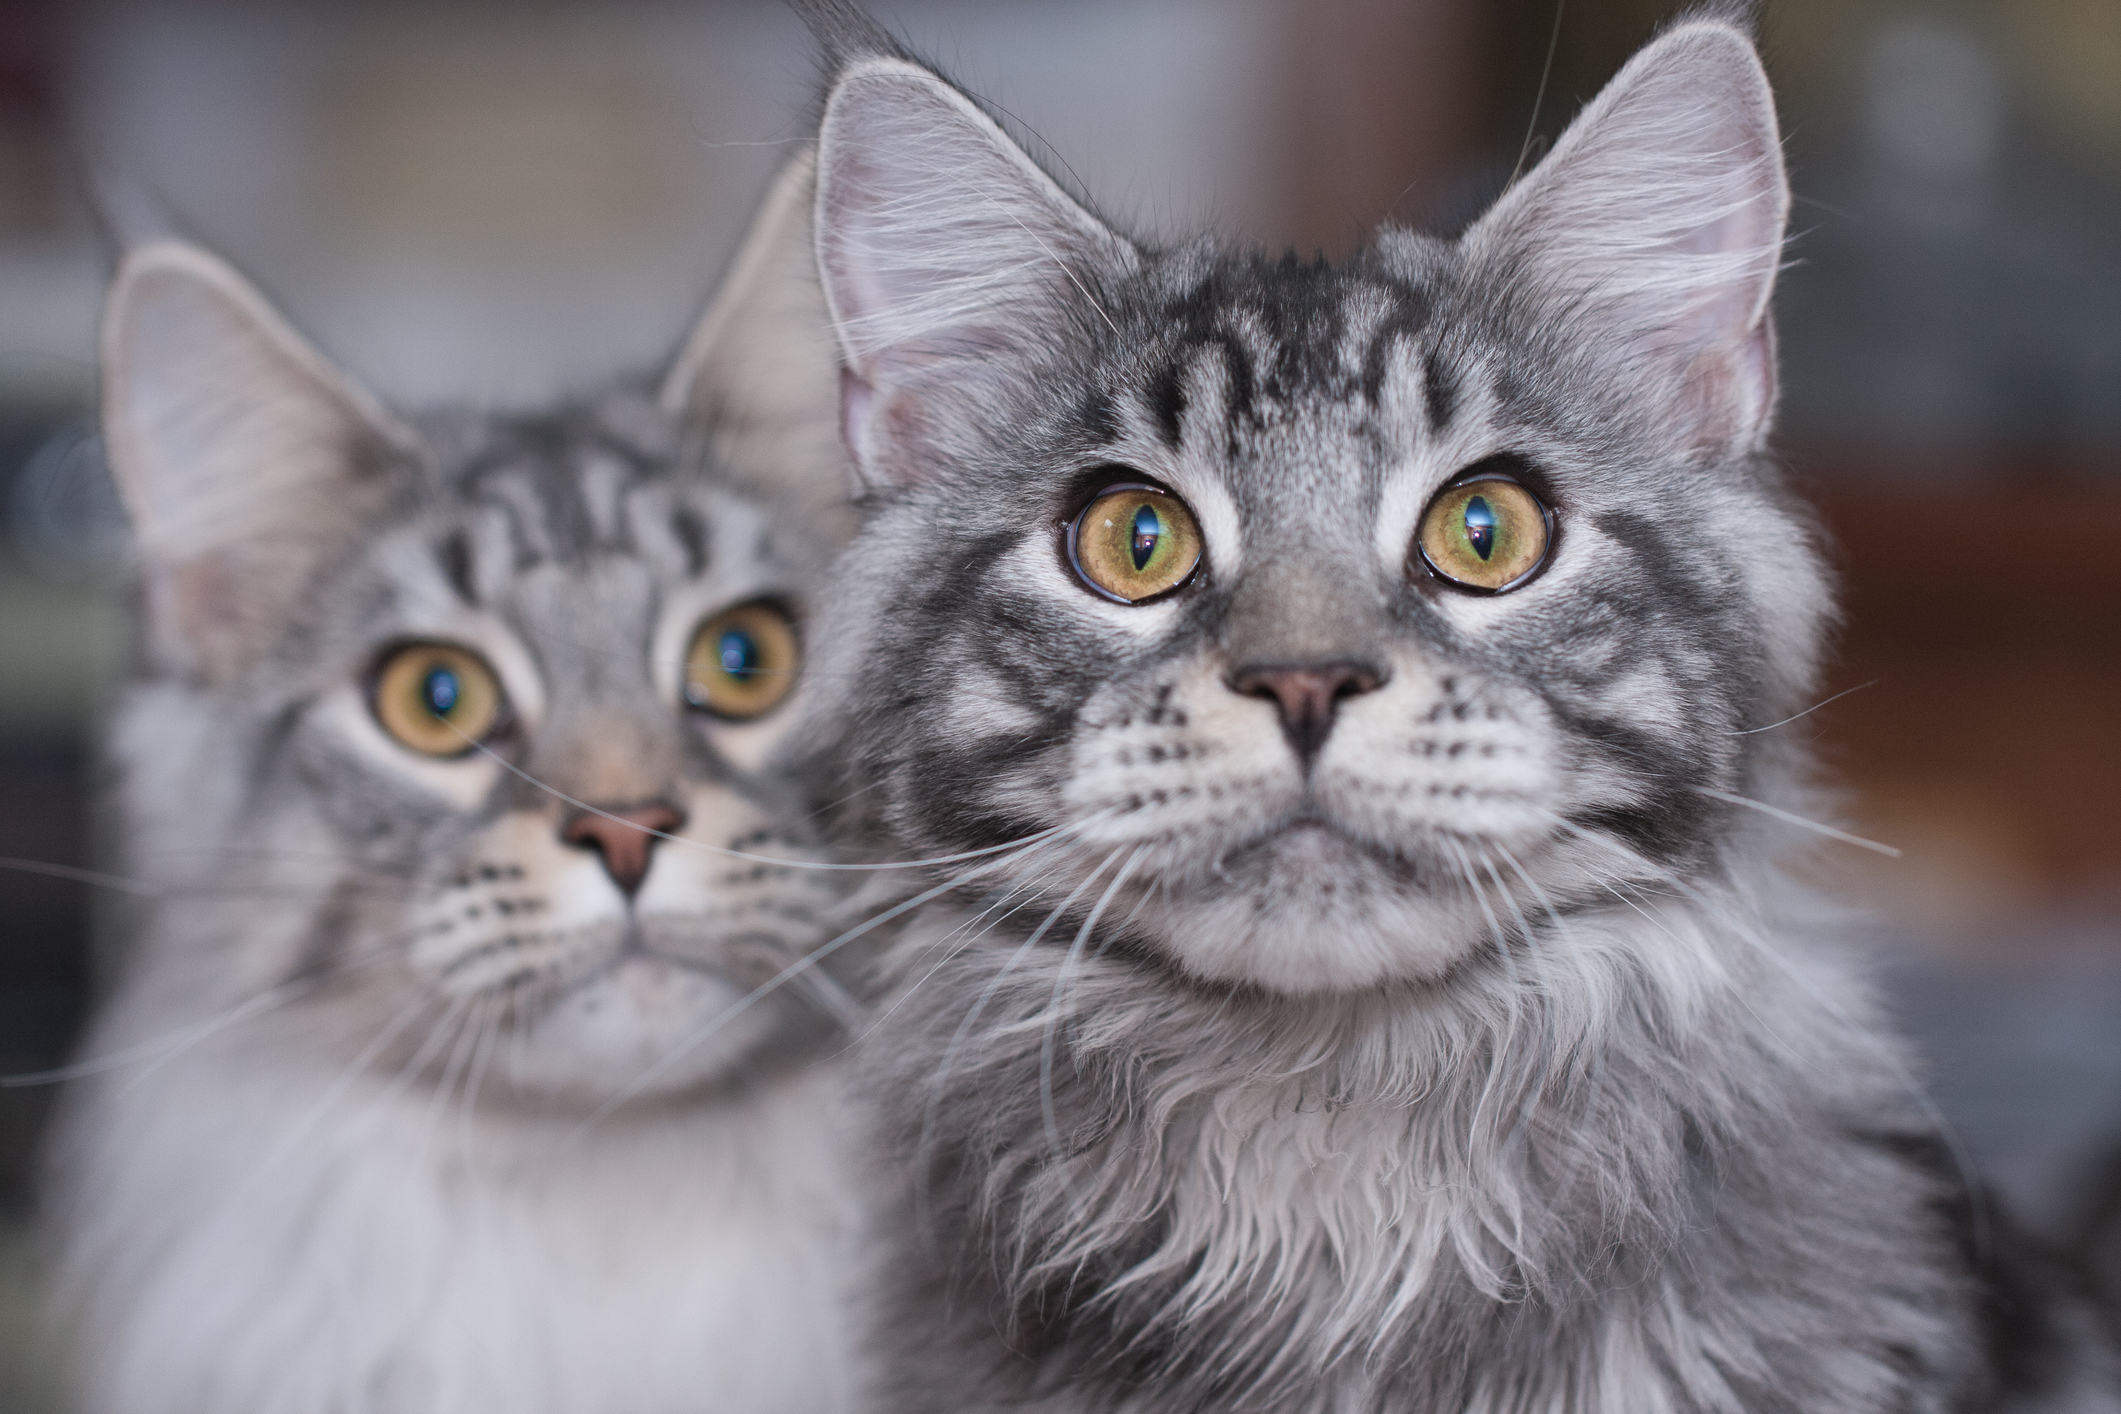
(1487, 533)
(1134, 542)
(742, 662)
(437, 698)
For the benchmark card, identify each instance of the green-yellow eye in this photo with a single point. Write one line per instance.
(1487, 534)
(437, 698)
(742, 662)
(1134, 543)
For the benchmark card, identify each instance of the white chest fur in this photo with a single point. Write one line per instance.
(282, 1250)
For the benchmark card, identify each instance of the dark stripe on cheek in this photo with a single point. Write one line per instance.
(691, 531)
(1167, 399)
(1408, 318)
(1242, 385)
(527, 555)
(1100, 419)
(1440, 388)
(454, 553)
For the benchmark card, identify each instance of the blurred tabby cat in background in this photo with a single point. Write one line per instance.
(449, 759)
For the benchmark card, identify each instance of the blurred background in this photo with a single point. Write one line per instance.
(469, 199)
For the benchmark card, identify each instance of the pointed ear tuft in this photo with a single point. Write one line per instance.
(1661, 211)
(950, 263)
(242, 456)
(844, 33)
(758, 379)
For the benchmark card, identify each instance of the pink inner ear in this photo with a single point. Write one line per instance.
(1755, 372)
(1729, 388)
(203, 601)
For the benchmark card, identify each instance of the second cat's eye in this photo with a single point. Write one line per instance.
(1486, 533)
(742, 662)
(437, 698)
(1134, 543)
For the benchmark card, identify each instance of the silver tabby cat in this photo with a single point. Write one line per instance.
(424, 1090)
(1388, 998)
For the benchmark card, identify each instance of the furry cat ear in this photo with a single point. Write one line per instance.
(757, 379)
(241, 454)
(948, 258)
(1661, 210)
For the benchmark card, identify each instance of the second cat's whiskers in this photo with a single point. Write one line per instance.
(775, 859)
(922, 1147)
(701, 1035)
(1790, 818)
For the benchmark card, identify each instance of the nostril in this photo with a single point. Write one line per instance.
(625, 838)
(1357, 681)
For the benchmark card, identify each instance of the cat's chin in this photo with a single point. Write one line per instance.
(1310, 909)
(645, 1027)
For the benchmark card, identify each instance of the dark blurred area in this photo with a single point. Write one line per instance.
(465, 199)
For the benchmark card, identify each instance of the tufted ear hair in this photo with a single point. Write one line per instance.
(757, 380)
(1660, 213)
(242, 456)
(949, 261)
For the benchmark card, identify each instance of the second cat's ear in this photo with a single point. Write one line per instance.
(758, 379)
(242, 456)
(950, 263)
(1659, 217)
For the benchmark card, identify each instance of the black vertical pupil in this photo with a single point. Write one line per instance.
(440, 690)
(1480, 526)
(1148, 529)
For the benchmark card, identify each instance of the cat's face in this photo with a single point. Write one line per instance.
(1339, 618)
(462, 731)
(538, 707)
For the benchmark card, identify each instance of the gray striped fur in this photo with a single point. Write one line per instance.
(1490, 1062)
(401, 1102)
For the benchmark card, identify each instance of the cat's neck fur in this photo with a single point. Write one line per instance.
(404, 1233)
(1233, 1201)
(265, 1207)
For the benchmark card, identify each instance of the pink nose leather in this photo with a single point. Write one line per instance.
(626, 839)
(1307, 697)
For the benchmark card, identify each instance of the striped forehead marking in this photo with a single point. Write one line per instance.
(1283, 333)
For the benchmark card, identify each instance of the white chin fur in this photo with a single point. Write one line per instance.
(1310, 911)
(1458, 775)
(646, 1024)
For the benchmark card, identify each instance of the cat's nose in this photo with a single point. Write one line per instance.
(626, 838)
(1308, 696)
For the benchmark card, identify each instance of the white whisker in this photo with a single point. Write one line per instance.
(1828, 702)
(774, 859)
(1786, 817)
(1053, 1006)
(139, 888)
(780, 979)
(159, 1051)
(965, 936)
(971, 1018)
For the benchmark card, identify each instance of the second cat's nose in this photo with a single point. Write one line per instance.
(626, 838)
(1307, 696)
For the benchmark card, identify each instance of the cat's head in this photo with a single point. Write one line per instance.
(447, 722)
(1346, 613)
